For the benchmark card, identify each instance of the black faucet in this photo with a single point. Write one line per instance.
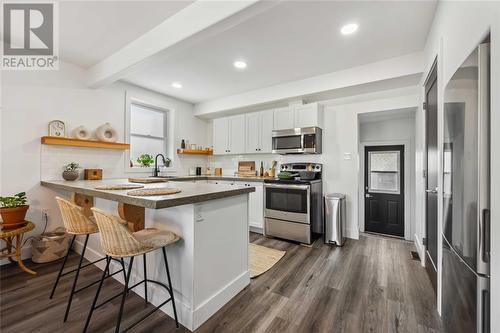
(156, 170)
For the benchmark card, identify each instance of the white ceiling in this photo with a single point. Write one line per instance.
(90, 31)
(292, 40)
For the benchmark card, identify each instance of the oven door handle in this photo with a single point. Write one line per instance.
(292, 186)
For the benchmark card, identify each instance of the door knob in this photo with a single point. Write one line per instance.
(368, 195)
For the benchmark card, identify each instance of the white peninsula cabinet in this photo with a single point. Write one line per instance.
(305, 115)
(229, 135)
(259, 130)
(255, 202)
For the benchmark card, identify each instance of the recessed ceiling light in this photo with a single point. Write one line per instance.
(349, 29)
(177, 85)
(240, 64)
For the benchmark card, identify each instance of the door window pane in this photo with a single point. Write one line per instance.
(384, 171)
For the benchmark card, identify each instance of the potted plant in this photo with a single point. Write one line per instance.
(145, 160)
(71, 171)
(13, 209)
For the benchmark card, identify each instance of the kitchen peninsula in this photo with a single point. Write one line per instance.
(212, 221)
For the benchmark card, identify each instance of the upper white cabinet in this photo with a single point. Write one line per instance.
(229, 135)
(221, 136)
(251, 133)
(237, 134)
(259, 127)
(284, 118)
(306, 115)
(309, 115)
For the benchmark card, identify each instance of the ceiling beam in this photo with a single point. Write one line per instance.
(398, 67)
(188, 22)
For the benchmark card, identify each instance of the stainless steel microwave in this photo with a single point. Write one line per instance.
(306, 140)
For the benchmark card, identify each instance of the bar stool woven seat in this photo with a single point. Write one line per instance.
(78, 224)
(118, 241)
(75, 222)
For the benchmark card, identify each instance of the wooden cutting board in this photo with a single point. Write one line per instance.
(153, 191)
(119, 187)
(148, 180)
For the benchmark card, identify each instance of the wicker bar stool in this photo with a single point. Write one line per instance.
(118, 242)
(76, 223)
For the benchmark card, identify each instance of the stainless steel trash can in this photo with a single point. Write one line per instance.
(335, 210)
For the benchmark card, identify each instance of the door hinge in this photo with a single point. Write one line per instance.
(424, 241)
(424, 105)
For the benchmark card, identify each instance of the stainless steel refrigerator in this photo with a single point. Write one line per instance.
(466, 195)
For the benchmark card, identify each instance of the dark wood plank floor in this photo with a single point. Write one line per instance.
(370, 285)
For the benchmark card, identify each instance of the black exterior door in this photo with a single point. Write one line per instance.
(431, 195)
(384, 190)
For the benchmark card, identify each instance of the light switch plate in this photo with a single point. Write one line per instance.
(347, 156)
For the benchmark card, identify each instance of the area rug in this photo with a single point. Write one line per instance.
(263, 259)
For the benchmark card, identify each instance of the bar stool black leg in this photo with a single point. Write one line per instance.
(145, 278)
(94, 302)
(171, 290)
(125, 291)
(76, 279)
(62, 267)
(124, 270)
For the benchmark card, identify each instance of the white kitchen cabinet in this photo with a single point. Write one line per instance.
(237, 134)
(221, 136)
(255, 202)
(284, 118)
(266, 135)
(229, 135)
(259, 127)
(256, 206)
(308, 115)
(295, 116)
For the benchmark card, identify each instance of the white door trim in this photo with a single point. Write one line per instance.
(408, 186)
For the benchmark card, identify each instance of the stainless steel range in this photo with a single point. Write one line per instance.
(293, 207)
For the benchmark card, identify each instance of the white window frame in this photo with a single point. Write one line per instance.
(169, 139)
(372, 190)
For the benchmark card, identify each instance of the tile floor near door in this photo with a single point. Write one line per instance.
(370, 285)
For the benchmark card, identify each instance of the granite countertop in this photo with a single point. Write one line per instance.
(190, 192)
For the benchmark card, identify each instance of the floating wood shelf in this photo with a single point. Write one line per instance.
(195, 152)
(53, 140)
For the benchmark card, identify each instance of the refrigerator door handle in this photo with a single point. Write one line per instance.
(483, 305)
(486, 238)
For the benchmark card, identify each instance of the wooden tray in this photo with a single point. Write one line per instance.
(153, 191)
(148, 180)
(119, 187)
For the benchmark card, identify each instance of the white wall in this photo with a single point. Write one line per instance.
(33, 98)
(457, 29)
(384, 129)
(340, 136)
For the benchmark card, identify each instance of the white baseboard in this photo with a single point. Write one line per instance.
(258, 230)
(352, 233)
(420, 249)
(217, 301)
(188, 317)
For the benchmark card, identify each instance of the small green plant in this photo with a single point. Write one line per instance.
(15, 201)
(145, 160)
(71, 167)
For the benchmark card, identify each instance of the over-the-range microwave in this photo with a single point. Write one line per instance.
(305, 140)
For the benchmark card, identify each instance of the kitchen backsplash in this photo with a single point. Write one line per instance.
(53, 158)
(229, 163)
